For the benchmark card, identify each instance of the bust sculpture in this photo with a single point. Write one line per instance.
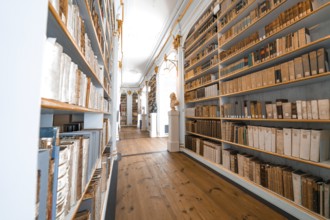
(174, 101)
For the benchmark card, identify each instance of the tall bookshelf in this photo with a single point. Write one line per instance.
(273, 80)
(75, 111)
(152, 104)
(123, 109)
(135, 103)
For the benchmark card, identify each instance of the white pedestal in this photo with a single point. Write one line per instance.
(173, 137)
(144, 122)
(152, 125)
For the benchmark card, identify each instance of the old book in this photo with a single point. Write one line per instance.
(299, 109)
(261, 135)
(279, 107)
(279, 141)
(306, 65)
(269, 109)
(295, 142)
(274, 110)
(320, 145)
(285, 72)
(240, 163)
(322, 60)
(250, 135)
(233, 161)
(287, 110)
(315, 109)
(298, 68)
(309, 109)
(278, 74)
(297, 189)
(305, 144)
(287, 133)
(327, 199)
(268, 139)
(294, 114)
(255, 137)
(304, 109)
(273, 147)
(313, 62)
(323, 107)
(226, 158)
(292, 75)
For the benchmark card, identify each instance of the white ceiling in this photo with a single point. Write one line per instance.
(146, 24)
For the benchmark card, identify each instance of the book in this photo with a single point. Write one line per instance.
(322, 60)
(279, 141)
(287, 110)
(297, 186)
(324, 110)
(296, 142)
(315, 110)
(320, 145)
(313, 62)
(305, 144)
(287, 133)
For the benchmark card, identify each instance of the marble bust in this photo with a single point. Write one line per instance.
(174, 101)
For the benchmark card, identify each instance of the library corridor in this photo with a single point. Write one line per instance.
(155, 184)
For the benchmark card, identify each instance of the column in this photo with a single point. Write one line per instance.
(180, 94)
(115, 91)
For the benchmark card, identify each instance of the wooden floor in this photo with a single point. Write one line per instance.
(131, 133)
(162, 185)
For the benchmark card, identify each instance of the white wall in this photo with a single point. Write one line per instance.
(23, 31)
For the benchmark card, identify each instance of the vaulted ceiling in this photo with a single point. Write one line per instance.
(146, 24)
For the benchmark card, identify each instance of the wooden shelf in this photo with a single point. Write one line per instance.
(197, 28)
(244, 12)
(57, 106)
(325, 164)
(287, 205)
(307, 21)
(204, 72)
(75, 208)
(202, 59)
(56, 28)
(298, 82)
(206, 118)
(278, 120)
(200, 36)
(90, 29)
(204, 136)
(203, 99)
(212, 39)
(205, 84)
(259, 22)
(322, 42)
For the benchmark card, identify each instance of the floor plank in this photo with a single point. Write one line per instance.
(162, 185)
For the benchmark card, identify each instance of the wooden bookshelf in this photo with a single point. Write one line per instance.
(203, 85)
(200, 25)
(203, 99)
(204, 72)
(259, 22)
(204, 136)
(212, 39)
(202, 59)
(201, 35)
(244, 11)
(278, 120)
(298, 82)
(206, 118)
(70, 47)
(58, 106)
(322, 42)
(263, 192)
(307, 21)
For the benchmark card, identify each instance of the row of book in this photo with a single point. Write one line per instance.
(202, 111)
(208, 149)
(204, 32)
(254, 15)
(271, 50)
(206, 18)
(292, 15)
(66, 163)
(245, 22)
(204, 92)
(70, 16)
(211, 33)
(95, 19)
(304, 189)
(305, 144)
(309, 64)
(201, 55)
(246, 42)
(198, 70)
(281, 109)
(209, 128)
(200, 81)
(63, 81)
(231, 14)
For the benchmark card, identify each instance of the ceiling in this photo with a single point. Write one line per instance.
(146, 24)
